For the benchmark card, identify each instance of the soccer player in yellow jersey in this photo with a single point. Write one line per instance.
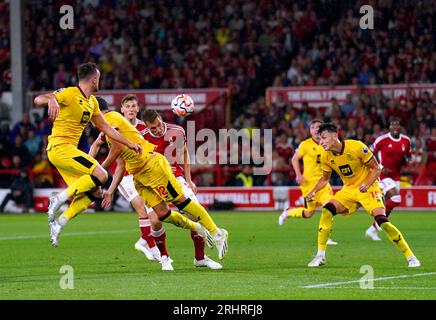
(310, 151)
(359, 170)
(157, 185)
(71, 109)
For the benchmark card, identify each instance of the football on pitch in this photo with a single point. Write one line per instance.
(182, 105)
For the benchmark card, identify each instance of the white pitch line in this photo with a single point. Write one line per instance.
(323, 285)
(71, 234)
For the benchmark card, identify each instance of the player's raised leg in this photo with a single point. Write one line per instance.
(220, 236)
(81, 172)
(396, 237)
(79, 204)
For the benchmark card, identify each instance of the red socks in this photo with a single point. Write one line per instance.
(198, 245)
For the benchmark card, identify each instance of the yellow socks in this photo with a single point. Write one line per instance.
(180, 221)
(296, 213)
(81, 185)
(200, 215)
(79, 204)
(397, 238)
(324, 228)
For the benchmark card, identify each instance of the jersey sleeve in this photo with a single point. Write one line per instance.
(96, 110)
(301, 150)
(363, 151)
(408, 149)
(376, 146)
(62, 96)
(324, 162)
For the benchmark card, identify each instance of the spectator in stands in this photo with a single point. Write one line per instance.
(348, 106)
(43, 178)
(245, 177)
(20, 150)
(21, 128)
(33, 143)
(21, 192)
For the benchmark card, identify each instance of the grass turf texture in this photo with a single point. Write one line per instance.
(265, 261)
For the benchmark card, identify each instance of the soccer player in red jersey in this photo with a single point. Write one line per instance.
(392, 150)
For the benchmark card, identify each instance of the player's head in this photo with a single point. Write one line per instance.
(394, 127)
(88, 72)
(314, 126)
(130, 107)
(154, 122)
(328, 134)
(102, 104)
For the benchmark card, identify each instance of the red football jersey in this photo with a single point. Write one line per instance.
(391, 153)
(171, 133)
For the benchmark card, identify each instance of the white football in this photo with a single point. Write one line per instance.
(182, 105)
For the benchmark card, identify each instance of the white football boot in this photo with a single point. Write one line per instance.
(413, 262)
(55, 232)
(331, 242)
(207, 262)
(142, 246)
(166, 263)
(317, 261)
(220, 238)
(372, 233)
(284, 216)
(54, 206)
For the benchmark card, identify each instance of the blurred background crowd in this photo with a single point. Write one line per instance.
(245, 46)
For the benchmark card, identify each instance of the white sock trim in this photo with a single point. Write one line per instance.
(144, 222)
(158, 233)
(321, 253)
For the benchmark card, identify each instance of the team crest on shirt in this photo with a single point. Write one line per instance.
(365, 150)
(59, 90)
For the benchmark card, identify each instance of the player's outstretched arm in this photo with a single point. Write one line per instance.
(95, 147)
(50, 100)
(114, 153)
(116, 180)
(325, 178)
(375, 171)
(295, 161)
(101, 124)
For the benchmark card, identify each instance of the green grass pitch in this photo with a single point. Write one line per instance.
(265, 261)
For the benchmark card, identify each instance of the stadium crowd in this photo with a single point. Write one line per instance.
(245, 46)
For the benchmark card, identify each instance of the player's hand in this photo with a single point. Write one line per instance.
(192, 186)
(363, 188)
(107, 200)
(53, 109)
(300, 179)
(137, 148)
(310, 196)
